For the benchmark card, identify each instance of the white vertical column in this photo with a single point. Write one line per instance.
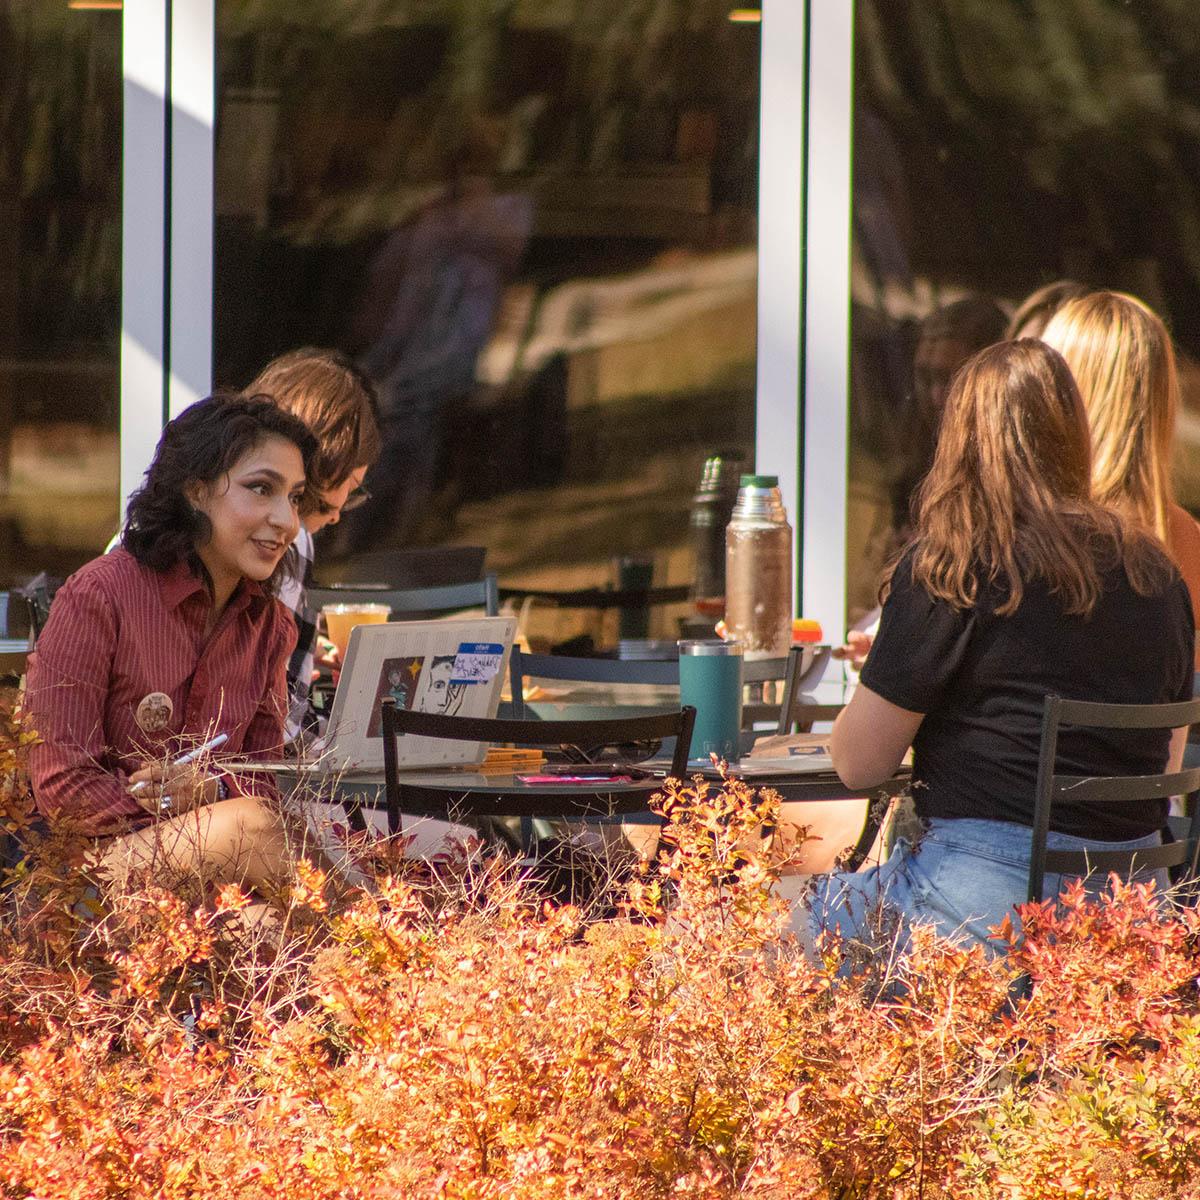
(780, 249)
(143, 175)
(193, 83)
(827, 312)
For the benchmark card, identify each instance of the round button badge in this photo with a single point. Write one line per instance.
(154, 712)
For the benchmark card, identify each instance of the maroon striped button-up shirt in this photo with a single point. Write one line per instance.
(119, 631)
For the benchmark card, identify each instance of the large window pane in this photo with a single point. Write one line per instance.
(533, 222)
(999, 147)
(60, 279)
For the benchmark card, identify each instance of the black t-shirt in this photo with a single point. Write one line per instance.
(981, 681)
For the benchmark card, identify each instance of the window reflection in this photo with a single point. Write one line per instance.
(60, 279)
(533, 224)
(998, 148)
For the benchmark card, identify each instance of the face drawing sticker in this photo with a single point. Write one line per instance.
(438, 694)
(154, 712)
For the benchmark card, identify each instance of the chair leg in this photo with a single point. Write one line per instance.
(391, 781)
(354, 814)
(878, 808)
(394, 818)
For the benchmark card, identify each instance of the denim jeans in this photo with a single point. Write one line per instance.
(963, 877)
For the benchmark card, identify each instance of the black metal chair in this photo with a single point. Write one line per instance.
(37, 606)
(617, 672)
(602, 598)
(572, 800)
(18, 633)
(32, 603)
(562, 668)
(415, 602)
(792, 709)
(633, 604)
(789, 671)
(1178, 854)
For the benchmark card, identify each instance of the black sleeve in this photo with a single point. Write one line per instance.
(1188, 677)
(919, 647)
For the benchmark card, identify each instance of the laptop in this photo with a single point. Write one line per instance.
(453, 666)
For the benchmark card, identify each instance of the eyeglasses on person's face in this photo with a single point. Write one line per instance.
(356, 499)
(324, 506)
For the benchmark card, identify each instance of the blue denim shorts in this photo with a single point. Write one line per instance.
(964, 877)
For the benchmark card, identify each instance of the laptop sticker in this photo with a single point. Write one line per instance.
(477, 662)
(440, 692)
(397, 679)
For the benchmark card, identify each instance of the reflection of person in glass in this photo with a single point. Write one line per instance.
(430, 305)
(440, 695)
(948, 337)
(1034, 312)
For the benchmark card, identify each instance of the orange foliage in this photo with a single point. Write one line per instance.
(450, 1033)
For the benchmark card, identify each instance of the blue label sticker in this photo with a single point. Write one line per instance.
(477, 662)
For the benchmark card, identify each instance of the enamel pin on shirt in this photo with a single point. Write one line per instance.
(154, 712)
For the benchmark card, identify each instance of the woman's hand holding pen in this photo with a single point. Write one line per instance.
(170, 788)
(165, 789)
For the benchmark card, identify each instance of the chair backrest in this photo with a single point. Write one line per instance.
(16, 636)
(649, 728)
(29, 607)
(798, 680)
(16, 617)
(416, 567)
(610, 671)
(756, 707)
(619, 672)
(1095, 789)
(415, 602)
(766, 670)
(602, 598)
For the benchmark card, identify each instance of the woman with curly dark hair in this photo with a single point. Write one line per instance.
(172, 640)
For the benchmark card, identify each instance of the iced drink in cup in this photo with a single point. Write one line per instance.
(341, 618)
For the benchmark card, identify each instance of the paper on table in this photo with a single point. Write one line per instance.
(791, 745)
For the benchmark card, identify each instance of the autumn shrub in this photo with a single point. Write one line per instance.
(451, 1032)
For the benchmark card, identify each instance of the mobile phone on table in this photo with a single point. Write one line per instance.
(600, 778)
(593, 769)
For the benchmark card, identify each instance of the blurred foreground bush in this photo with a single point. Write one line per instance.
(452, 1034)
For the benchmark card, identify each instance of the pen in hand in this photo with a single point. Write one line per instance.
(184, 759)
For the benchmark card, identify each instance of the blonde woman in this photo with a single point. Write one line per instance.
(1121, 356)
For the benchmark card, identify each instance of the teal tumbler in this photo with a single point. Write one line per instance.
(710, 679)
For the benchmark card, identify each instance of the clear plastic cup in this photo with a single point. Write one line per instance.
(341, 618)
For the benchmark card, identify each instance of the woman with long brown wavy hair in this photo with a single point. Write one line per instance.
(1017, 585)
(1121, 355)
